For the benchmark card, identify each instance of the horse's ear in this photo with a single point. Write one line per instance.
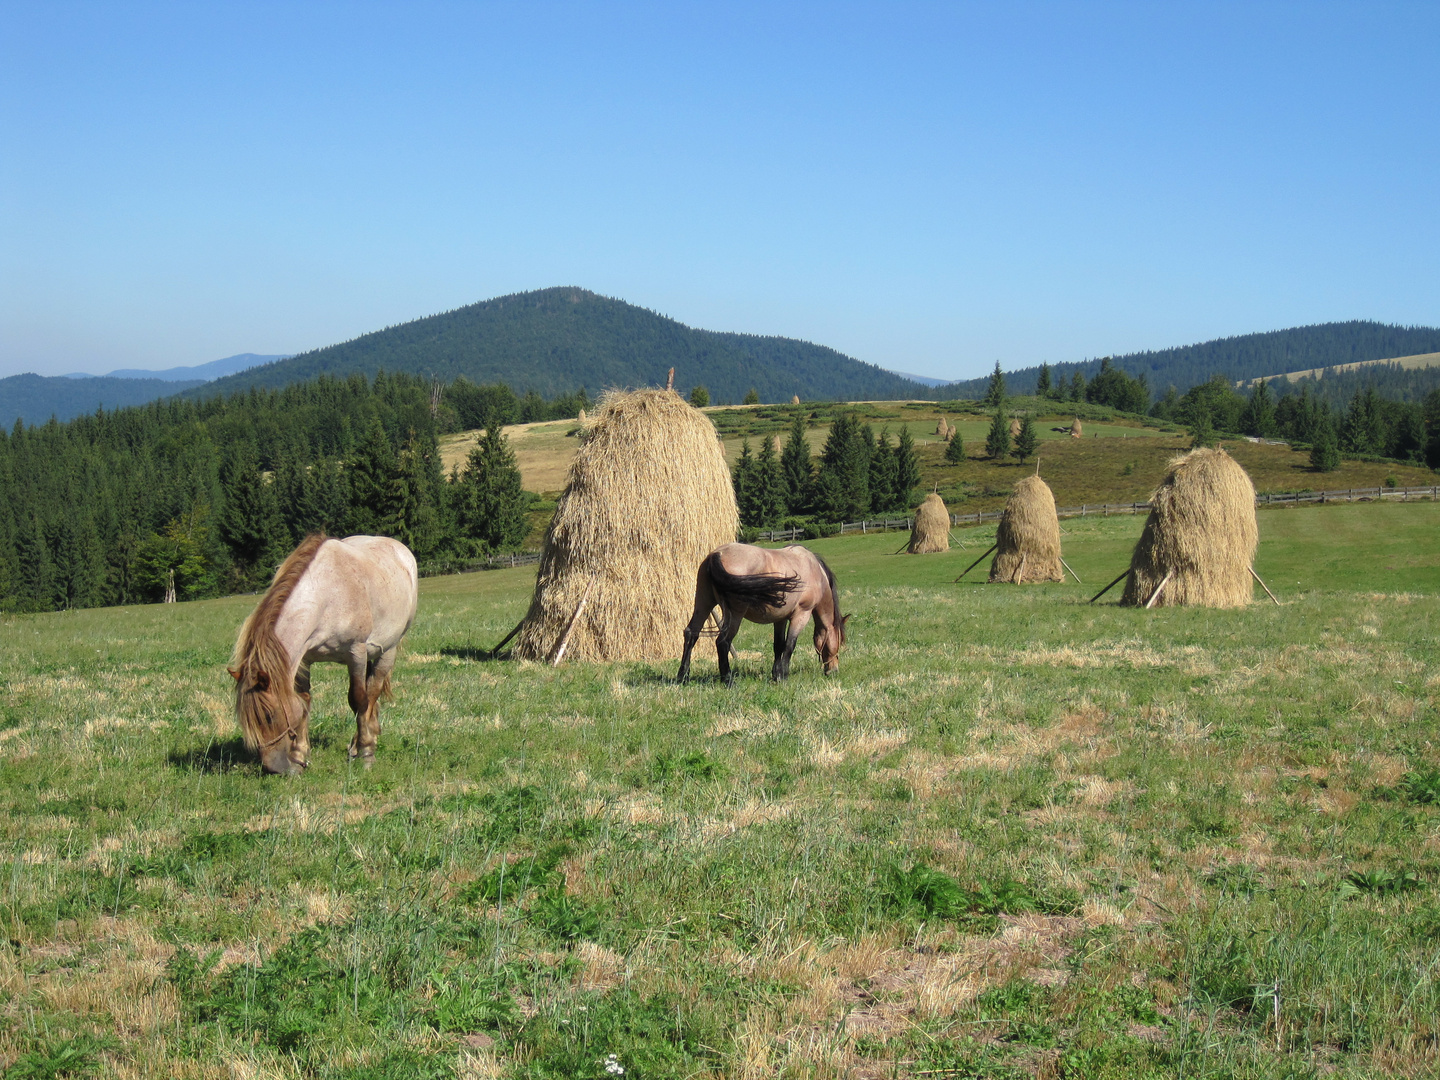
(234, 674)
(262, 681)
(844, 619)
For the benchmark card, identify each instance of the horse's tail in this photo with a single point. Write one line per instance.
(755, 590)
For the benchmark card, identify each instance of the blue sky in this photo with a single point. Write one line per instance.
(926, 187)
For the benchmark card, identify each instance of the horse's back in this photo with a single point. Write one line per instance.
(361, 588)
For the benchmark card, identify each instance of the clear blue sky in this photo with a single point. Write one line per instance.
(926, 187)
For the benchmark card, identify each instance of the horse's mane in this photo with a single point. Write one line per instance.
(258, 650)
(834, 592)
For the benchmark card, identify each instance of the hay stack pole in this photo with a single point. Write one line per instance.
(1027, 542)
(1075, 429)
(931, 532)
(648, 496)
(1198, 544)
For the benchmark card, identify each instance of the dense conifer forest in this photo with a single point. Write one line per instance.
(181, 499)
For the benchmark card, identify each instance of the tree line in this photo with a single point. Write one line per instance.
(182, 499)
(858, 473)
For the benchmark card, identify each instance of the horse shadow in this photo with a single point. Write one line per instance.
(218, 756)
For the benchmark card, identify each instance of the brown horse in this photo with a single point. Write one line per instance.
(343, 601)
(784, 587)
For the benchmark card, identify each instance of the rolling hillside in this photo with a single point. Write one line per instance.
(558, 340)
(36, 398)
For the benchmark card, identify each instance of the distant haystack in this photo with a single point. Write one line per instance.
(941, 427)
(777, 445)
(1199, 542)
(1027, 544)
(648, 496)
(795, 399)
(581, 417)
(1014, 427)
(931, 532)
(1075, 429)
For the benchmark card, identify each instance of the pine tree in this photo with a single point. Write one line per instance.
(884, 476)
(700, 397)
(1432, 446)
(842, 483)
(747, 499)
(1042, 381)
(490, 503)
(250, 523)
(995, 392)
(417, 499)
(1258, 418)
(955, 449)
(769, 482)
(1077, 386)
(1202, 427)
(1026, 440)
(907, 469)
(1325, 450)
(752, 397)
(997, 441)
(797, 468)
(1363, 430)
(371, 472)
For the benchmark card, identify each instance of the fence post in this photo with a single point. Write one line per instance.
(1082, 509)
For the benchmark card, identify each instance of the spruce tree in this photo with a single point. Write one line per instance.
(747, 499)
(1077, 386)
(372, 472)
(769, 483)
(955, 449)
(490, 502)
(250, 523)
(842, 483)
(884, 476)
(1202, 428)
(1325, 450)
(907, 469)
(1258, 418)
(995, 392)
(997, 440)
(797, 468)
(1042, 381)
(417, 521)
(1026, 440)
(700, 397)
(752, 397)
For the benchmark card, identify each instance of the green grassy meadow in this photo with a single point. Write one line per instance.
(1018, 835)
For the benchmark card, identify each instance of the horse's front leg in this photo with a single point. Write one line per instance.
(793, 626)
(367, 729)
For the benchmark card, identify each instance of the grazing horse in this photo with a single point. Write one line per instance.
(784, 587)
(339, 601)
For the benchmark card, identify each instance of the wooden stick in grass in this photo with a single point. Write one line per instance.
(1112, 584)
(1158, 590)
(506, 639)
(1072, 572)
(978, 561)
(1264, 586)
(564, 642)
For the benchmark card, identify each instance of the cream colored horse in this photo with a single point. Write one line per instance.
(784, 587)
(332, 601)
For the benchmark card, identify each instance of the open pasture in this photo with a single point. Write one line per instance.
(1017, 836)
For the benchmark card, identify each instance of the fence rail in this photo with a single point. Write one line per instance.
(468, 566)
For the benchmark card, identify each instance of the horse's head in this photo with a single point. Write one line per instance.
(275, 719)
(829, 640)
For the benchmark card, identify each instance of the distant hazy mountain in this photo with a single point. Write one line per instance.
(213, 370)
(923, 380)
(36, 398)
(558, 340)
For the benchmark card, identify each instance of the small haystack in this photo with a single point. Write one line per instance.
(932, 527)
(777, 445)
(1027, 544)
(794, 399)
(581, 417)
(1200, 538)
(1014, 427)
(648, 496)
(940, 427)
(1075, 429)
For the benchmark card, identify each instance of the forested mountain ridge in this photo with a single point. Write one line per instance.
(556, 341)
(1244, 357)
(36, 398)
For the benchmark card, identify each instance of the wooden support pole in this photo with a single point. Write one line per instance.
(1019, 570)
(1264, 586)
(1158, 590)
(564, 642)
(1112, 584)
(978, 561)
(506, 639)
(1076, 576)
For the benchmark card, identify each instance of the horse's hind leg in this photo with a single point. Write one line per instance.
(375, 685)
(729, 627)
(704, 604)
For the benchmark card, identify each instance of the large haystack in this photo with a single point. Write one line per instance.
(940, 428)
(648, 496)
(1201, 535)
(1027, 544)
(1075, 429)
(931, 531)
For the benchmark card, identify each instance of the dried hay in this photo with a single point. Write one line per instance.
(648, 496)
(1027, 543)
(1014, 427)
(794, 399)
(581, 417)
(931, 532)
(1075, 429)
(1201, 532)
(941, 427)
(777, 445)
